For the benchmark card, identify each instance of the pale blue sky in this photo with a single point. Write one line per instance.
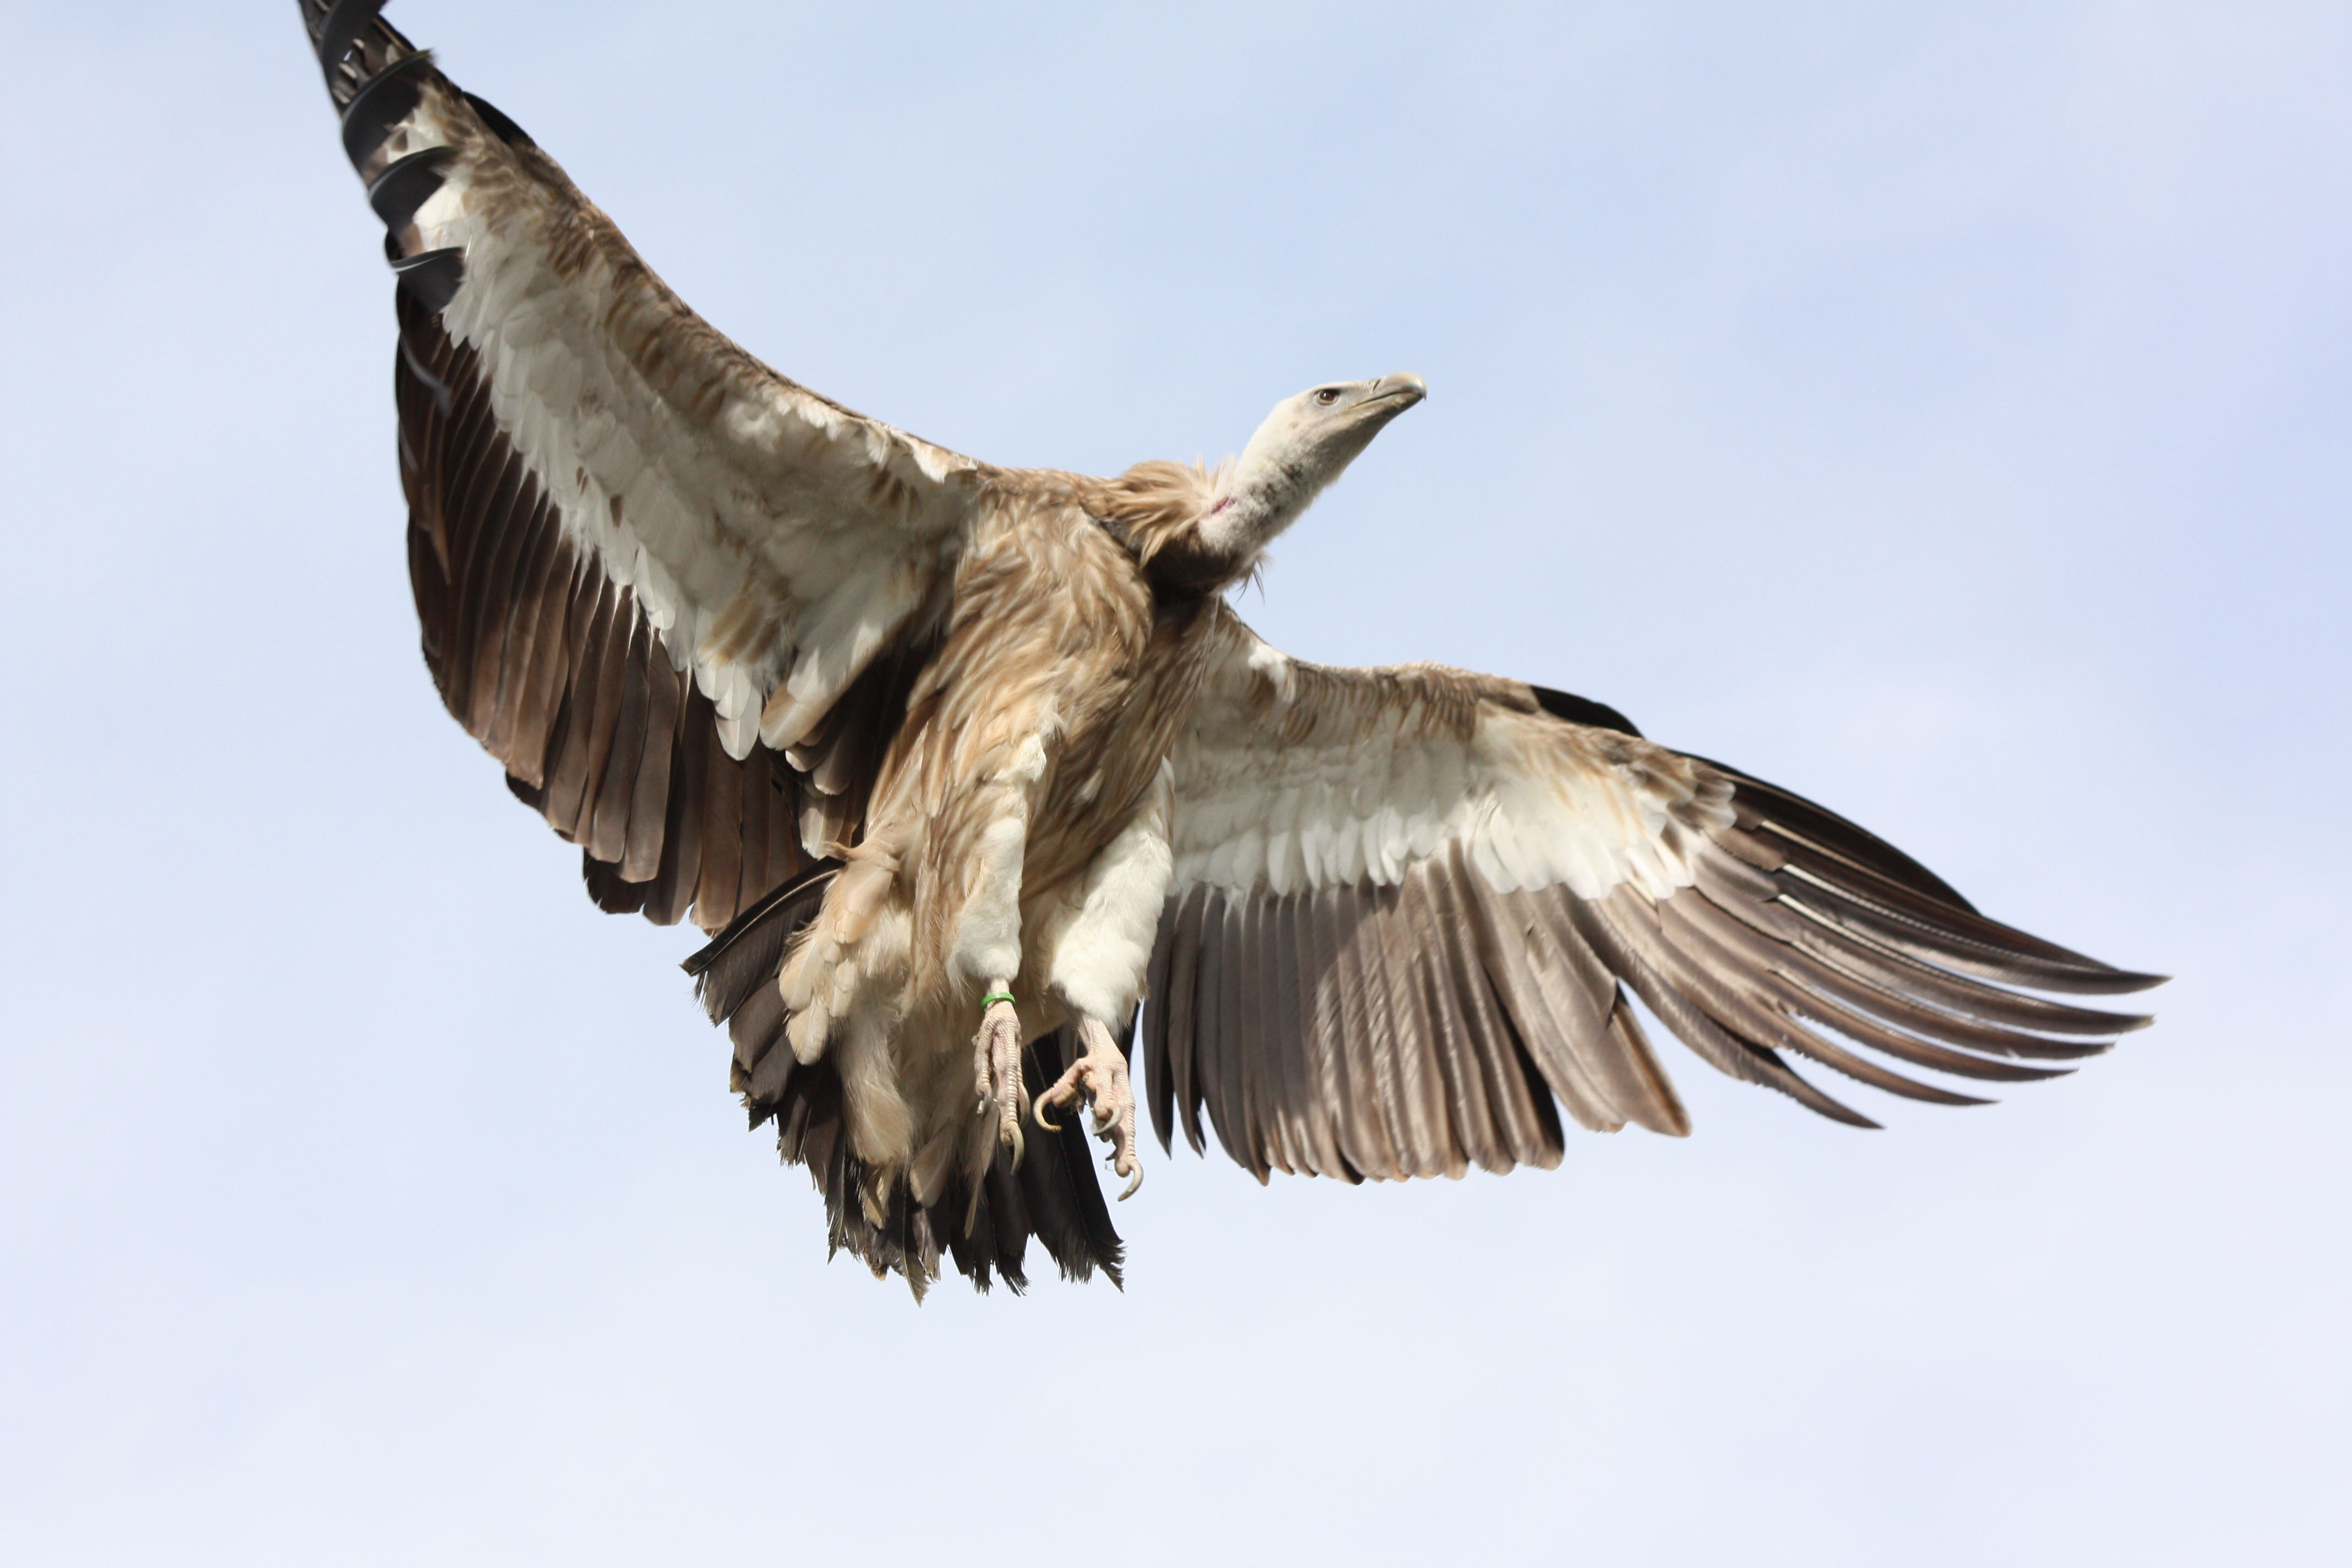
(1942, 411)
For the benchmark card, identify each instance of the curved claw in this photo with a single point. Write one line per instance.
(1101, 1075)
(996, 1076)
(1065, 1090)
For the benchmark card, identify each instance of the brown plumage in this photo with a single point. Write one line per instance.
(930, 744)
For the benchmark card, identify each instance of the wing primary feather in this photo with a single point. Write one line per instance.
(1714, 979)
(1625, 1027)
(1959, 935)
(1391, 1032)
(649, 814)
(1558, 1022)
(786, 856)
(1793, 818)
(381, 102)
(608, 828)
(1438, 967)
(345, 21)
(604, 722)
(1209, 1040)
(1948, 943)
(1363, 1047)
(1626, 948)
(1244, 1060)
(556, 655)
(432, 384)
(1415, 950)
(1306, 985)
(1511, 1019)
(491, 605)
(482, 520)
(594, 604)
(1360, 969)
(1315, 1073)
(1363, 1140)
(1500, 1059)
(1795, 984)
(1804, 1000)
(431, 278)
(1290, 989)
(1274, 991)
(1501, 1053)
(526, 701)
(1832, 958)
(1625, 1069)
(470, 449)
(1220, 963)
(723, 842)
(758, 823)
(1191, 1004)
(681, 862)
(751, 1026)
(406, 184)
(1420, 1080)
(773, 1063)
(1937, 1002)
(342, 29)
(1158, 1086)
(607, 889)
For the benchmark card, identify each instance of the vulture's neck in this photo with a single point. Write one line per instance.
(1262, 494)
(1203, 529)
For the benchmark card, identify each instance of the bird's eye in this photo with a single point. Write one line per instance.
(1328, 395)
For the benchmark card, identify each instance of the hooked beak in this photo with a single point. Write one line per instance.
(1395, 394)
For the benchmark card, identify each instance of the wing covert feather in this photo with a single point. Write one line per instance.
(1425, 893)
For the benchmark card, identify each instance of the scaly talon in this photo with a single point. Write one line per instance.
(996, 1070)
(1100, 1074)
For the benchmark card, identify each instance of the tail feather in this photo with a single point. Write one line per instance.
(1053, 1196)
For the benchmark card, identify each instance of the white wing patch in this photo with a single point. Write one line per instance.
(776, 541)
(1297, 776)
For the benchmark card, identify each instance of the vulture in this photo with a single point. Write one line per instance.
(966, 768)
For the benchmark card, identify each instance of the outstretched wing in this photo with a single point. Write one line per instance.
(1408, 903)
(674, 592)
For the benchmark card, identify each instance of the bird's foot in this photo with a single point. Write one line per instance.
(996, 1068)
(1100, 1074)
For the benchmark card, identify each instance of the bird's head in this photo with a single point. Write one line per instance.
(1205, 530)
(1305, 444)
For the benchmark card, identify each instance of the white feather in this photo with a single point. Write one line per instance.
(1378, 784)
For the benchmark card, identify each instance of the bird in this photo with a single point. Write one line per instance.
(980, 786)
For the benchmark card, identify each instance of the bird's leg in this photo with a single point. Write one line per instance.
(996, 1065)
(1100, 1074)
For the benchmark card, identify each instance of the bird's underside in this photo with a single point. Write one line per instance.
(964, 767)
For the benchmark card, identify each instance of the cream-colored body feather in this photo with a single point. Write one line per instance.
(1025, 797)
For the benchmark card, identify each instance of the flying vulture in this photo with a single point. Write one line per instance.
(932, 747)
